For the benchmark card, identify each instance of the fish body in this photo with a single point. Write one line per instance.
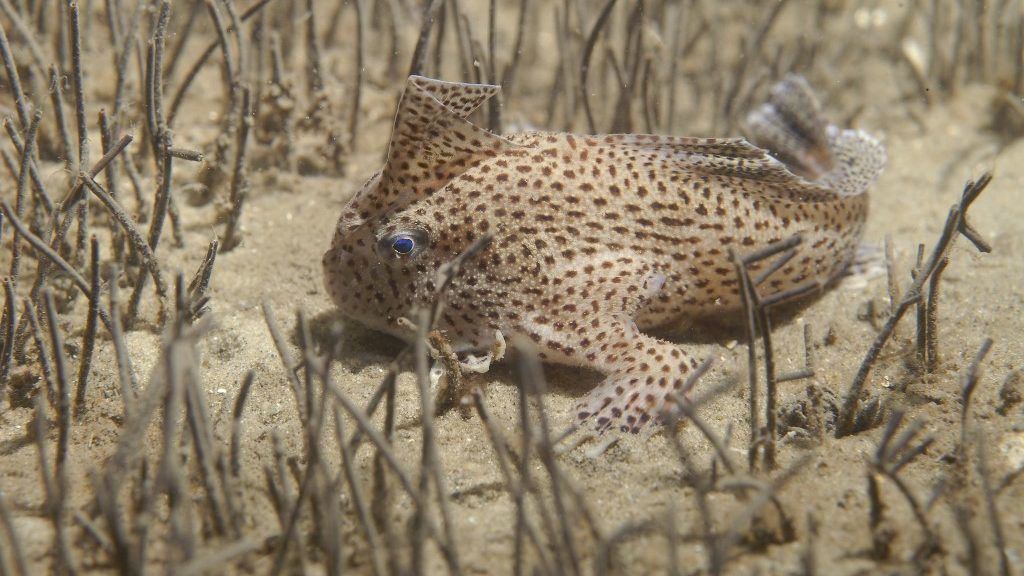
(594, 238)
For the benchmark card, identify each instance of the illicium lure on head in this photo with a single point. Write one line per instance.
(594, 237)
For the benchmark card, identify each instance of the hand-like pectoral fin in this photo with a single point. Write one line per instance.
(645, 377)
(594, 327)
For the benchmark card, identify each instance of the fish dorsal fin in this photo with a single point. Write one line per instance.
(728, 157)
(432, 141)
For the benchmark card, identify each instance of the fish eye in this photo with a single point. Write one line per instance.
(402, 243)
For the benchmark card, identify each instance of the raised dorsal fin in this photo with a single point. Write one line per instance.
(432, 141)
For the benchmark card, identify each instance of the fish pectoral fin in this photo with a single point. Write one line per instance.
(589, 322)
(646, 378)
(644, 375)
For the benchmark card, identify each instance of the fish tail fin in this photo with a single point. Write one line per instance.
(794, 130)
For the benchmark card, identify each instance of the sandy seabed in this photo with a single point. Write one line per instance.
(287, 224)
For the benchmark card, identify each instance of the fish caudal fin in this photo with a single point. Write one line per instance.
(793, 128)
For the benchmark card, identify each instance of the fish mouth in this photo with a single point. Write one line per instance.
(384, 326)
(346, 282)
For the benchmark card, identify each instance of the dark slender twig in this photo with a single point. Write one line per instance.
(766, 495)
(91, 326)
(213, 176)
(381, 498)
(922, 314)
(178, 354)
(384, 391)
(94, 532)
(222, 556)
(430, 461)
(50, 484)
(155, 120)
(509, 76)
(239, 178)
(44, 249)
(357, 89)
(891, 455)
(287, 361)
(775, 266)
(44, 358)
(632, 57)
(314, 72)
(675, 56)
(305, 485)
(124, 52)
(588, 50)
(955, 222)
(200, 284)
(236, 422)
(12, 536)
(494, 106)
(809, 555)
(13, 80)
(969, 382)
(142, 212)
(10, 320)
(790, 295)
(772, 249)
(184, 154)
(808, 370)
(532, 381)
(19, 203)
(160, 207)
(688, 409)
(38, 186)
(419, 54)
(358, 497)
(27, 34)
(647, 96)
(183, 38)
(57, 98)
(111, 179)
(57, 505)
(379, 442)
(752, 47)
(516, 487)
(382, 444)
(241, 55)
(79, 84)
(890, 274)
(932, 316)
(198, 418)
(746, 291)
(756, 310)
(190, 76)
(76, 192)
(126, 378)
(149, 260)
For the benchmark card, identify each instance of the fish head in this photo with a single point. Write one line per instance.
(389, 243)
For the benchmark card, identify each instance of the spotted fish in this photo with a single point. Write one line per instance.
(594, 238)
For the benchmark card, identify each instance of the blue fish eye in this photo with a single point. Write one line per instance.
(403, 245)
